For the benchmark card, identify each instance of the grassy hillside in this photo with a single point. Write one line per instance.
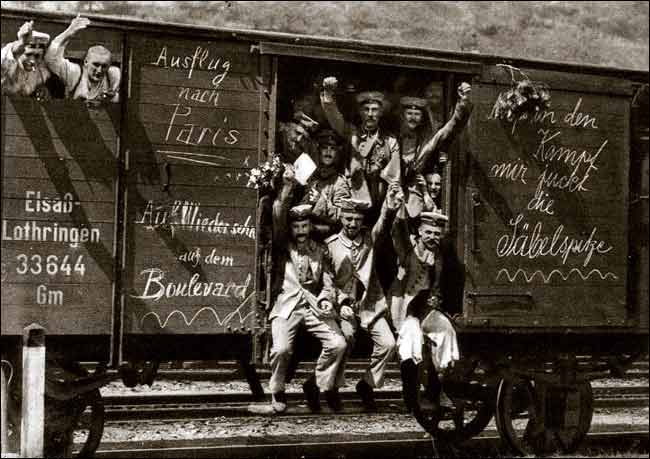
(602, 33)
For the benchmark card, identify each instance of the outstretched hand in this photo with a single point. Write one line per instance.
(394, 196)
(78, 24)
(25, 31)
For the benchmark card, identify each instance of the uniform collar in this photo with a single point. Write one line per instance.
(349, 243)
(365, 135)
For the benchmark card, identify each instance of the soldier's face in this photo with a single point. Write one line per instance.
(351, 222)
(300, 230)
(97, 64)
(295, 136)
(430, 235)
(413, 118)
(31, 57)
(434, 184)
(370, 113)
(328, 155)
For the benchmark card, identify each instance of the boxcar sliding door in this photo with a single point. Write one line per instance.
(196, 126)
(546, 204)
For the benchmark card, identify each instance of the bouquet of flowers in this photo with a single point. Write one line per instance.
(523, 99)
(262, 178)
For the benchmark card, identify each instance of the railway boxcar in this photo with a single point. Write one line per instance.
(131, 233)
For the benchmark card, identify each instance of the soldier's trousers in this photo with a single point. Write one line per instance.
(383, 349)
(326, 331)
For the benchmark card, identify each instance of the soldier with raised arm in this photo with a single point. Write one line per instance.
(304, 295)
(359, 295)
(420, 148)
(24, 71)
(97, 81)
(374, 159)
(417, 303)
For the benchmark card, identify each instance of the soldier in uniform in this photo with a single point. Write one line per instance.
(416, 301)
(24, 71)
(305, 295)
(294, 137)
(359, 295)
(374, 158)
(327, 187)
(420, 148)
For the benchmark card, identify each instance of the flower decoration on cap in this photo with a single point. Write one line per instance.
(433, 218)
(371, 96)
(413, 102)
(300, 212)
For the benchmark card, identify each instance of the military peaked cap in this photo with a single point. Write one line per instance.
(371, 96)
(328, 137)
(300, 212)
(354, 205)
(433, 218)
(413, 102)
(38, 39)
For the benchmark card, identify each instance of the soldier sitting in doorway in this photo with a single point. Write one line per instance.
(359, 294)
(304, 296)
(416, 302)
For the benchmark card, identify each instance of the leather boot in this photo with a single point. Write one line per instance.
(409, 371)
(367, 395)
(312, 394)
(333, 399)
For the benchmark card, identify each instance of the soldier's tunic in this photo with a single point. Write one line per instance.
(303, 281)
(414, 299)
(374, 161)
(355, 281)
(331, 187)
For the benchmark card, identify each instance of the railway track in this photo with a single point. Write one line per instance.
(198, 405)
(385, 445)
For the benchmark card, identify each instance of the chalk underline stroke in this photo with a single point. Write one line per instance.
(547, 277)
(220, 322)
(187, 156)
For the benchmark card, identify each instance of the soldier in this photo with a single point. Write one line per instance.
(327, 187)
(24, 71)
(416, 299)
(420, 148)
(358, 293)
(294, 138)
(305, 294)
(374, 155)
(97, 81)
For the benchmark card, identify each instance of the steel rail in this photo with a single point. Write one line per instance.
(388, 445)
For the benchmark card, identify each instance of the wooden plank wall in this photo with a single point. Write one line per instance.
(195, 117)
(544, 182)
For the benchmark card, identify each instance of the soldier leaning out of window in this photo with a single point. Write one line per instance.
(97, 81)
(24, 71)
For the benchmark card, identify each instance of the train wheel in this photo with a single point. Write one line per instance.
(517, 417)
(78, 421)
(581, 413)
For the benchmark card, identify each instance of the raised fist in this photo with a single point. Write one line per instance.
(464, 90)
(330, 84)
(346, 313)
